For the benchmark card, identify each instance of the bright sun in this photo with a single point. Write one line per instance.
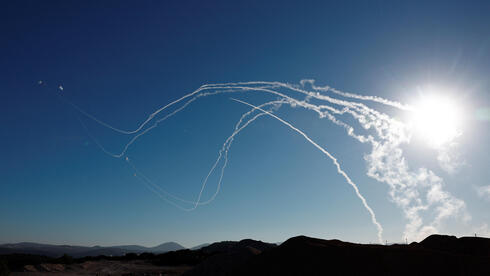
(437, 120)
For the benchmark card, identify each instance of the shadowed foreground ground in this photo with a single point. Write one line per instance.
(436, 255)
(102, 267)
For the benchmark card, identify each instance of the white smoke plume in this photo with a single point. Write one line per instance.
(419, 192)
(336, 163)
(483, 192)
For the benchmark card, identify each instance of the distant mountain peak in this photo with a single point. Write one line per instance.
(167, 246)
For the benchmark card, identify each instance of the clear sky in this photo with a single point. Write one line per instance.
(122, 60)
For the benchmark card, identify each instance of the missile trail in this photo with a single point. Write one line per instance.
(301, 103)
(334, 160)
(223, 152)
(408, 188)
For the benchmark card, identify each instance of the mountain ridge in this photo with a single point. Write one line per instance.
(300, 255)
(76, 251)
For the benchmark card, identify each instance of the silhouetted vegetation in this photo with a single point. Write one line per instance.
(65, 259)
(4, 270)
(436, 255)
(304, 256)
(180, 257)
(16, 262)
(129, 256)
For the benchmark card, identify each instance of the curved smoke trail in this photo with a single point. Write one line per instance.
(419, 193)
(335, 162)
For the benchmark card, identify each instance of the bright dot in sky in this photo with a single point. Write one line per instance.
(437, 119)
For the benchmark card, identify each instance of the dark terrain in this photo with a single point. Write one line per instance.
(436, 255)
(56, 251)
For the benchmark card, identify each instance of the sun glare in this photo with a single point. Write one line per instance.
(437, 120)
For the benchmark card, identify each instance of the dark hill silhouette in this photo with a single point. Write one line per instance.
(436, 255)
(56, 251)
(440, 255)
(200, 246)
(226, 246)
(166, 247)
(473, 246)
(45, 249)
(131, 248)
(226, 256)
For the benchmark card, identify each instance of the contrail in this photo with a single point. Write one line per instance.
(152, 188)
(334, 160)
(226, 146)
(223, 152)
(301, 103)
(152, 115)
(356, 96)
(241, 87)
(229, 141)
(228, 89)
(418, 192)
(228, 86)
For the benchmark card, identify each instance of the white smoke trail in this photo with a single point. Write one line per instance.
(336, 163)
(226, 146)
(235, 87)
(387, 164)
(225, 149)
(158, 191)
(223, 152)
(143, 132)
(156, 112)
(157, 122)
(245, 86)
(414, 191)
(228, 143)
(355, 96)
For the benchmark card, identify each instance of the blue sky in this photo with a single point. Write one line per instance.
(121, 60)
